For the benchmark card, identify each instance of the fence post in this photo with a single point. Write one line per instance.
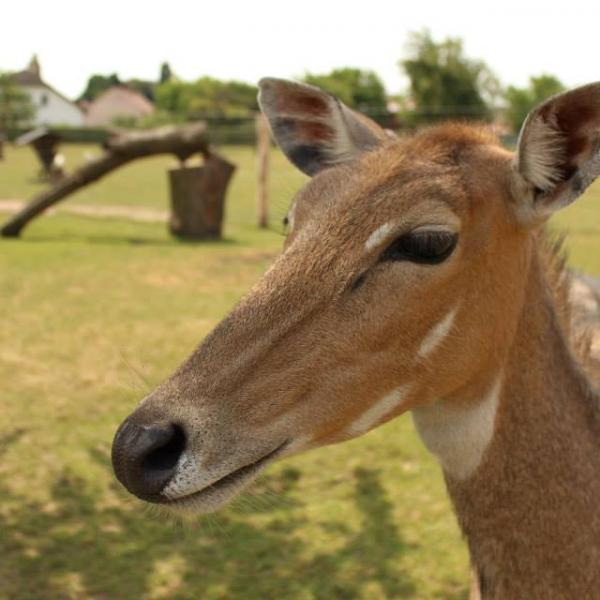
(263, 143)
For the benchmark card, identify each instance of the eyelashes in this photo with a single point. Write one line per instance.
(422, 247)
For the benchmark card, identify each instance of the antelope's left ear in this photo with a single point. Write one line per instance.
(312, 128)
(558, 153)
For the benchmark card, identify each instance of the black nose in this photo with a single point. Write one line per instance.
(145, 457)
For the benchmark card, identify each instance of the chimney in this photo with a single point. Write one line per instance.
(34, 66)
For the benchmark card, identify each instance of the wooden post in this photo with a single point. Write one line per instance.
(46, 148)
(45, 145)
(263, 145)
(198, 198)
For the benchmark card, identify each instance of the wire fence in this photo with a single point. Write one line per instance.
(241, 130)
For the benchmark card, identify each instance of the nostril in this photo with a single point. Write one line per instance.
(166, 456)
(145, 456)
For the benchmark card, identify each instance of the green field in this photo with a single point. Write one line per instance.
(95, 312)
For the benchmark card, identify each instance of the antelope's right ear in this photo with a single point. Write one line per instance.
(312, 128)
(558, 153)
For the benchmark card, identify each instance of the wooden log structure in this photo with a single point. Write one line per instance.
(198, 198)
(119, 149)
(45, 145)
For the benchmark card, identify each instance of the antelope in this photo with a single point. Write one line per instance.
(415, 277)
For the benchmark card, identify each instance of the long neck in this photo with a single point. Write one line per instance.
(530, 510)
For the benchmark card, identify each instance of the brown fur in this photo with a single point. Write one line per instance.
(531, 513)
(309, 351)
(554, 264)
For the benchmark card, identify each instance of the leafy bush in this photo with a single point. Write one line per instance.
(206, 97)
(357, 88)
(521, 100)
(16, 108)
(444, 83)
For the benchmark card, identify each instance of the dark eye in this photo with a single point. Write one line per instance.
(285, 221)
(425, 247)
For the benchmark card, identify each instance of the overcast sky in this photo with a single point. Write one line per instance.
(249, 39)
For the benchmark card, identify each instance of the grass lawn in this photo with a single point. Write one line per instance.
(145, 182)
(94, 314)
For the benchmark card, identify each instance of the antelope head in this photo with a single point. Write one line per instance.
(400, 285)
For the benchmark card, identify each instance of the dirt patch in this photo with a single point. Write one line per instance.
(144, 215)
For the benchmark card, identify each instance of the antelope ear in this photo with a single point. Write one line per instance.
(314, 129)
(558, 153)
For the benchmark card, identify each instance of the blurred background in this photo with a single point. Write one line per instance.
(107, 292)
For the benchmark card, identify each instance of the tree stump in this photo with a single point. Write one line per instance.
(198, 198)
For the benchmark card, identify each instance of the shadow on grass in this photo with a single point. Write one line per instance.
(372, 552)
(10, 438)
(83, 544)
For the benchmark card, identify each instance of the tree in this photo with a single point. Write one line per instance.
(143, 87)
(166, 74)
(444, 83)
(521, 100)
(357, 88)
(173, 97)
(16, 108)
(97, 84)
(206, 97)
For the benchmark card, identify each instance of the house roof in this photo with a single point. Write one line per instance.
(117, 101)
(32, 77)
(27, 78)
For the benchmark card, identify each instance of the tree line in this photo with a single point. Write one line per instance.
(444, 83)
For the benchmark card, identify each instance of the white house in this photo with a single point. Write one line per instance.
(51, 107)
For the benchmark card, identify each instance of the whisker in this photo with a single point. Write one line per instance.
(134, 370)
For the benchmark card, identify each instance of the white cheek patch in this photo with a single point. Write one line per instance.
(437, 333)
(458, 436)
(378, 236)
(374, 414)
